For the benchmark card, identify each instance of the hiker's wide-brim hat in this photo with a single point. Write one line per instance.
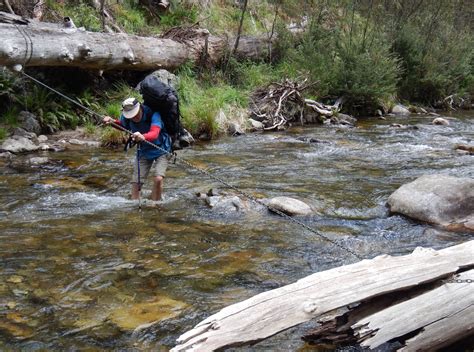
(130, 108)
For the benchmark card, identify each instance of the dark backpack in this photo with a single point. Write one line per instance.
(163, 98)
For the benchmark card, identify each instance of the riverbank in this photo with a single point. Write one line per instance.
(24, 139)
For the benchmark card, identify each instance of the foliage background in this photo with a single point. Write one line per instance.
(371, 52)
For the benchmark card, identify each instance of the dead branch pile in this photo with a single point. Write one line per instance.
(456, 101)
(280, 104)
(185, 34)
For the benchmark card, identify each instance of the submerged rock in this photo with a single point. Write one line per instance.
(15, 330)
(93, 144)
(6, 155)
(129, 317)
(39, 160)
(404, 127)
(468, 149)
(311, 140)
(227, 204)
(438, 199)
(290, 206)
(440, 121)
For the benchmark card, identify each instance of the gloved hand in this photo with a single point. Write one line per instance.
(107, 120)
(138, 137)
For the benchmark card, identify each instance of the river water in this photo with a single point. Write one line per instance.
(82, 269)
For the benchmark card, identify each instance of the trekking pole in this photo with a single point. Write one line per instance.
(139, 185)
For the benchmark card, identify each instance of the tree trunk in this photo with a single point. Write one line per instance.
(47, 44)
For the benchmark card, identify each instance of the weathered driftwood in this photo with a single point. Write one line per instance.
(46, 44)
(340, 289)
(445, 314)
(280, 104)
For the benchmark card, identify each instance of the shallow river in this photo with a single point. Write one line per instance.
(81, 268)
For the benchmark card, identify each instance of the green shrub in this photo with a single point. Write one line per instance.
(121, 90)
(248, 75)
(35, 99)
(59, 118)
(435, 56)
(200, 102)
(10, 116)
(315, 57)
(131, 18)
(113, 110)
(9, 84)
(82, 14)
(179, 14)
(3, 133)
(342, 62)
(90, 128)
(365, 79)
(111, 137)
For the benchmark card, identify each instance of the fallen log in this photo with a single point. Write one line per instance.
(336, 291)
(33, 43)
(452, 318)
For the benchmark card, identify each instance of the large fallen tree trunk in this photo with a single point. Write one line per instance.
(343, 289)
(33, 43)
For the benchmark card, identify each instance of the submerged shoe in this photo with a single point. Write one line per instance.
(151, 203)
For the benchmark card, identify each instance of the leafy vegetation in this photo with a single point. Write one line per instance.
(371, 52)
(201, 101)
(3, 133)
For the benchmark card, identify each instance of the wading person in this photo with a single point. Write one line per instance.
(145, 125)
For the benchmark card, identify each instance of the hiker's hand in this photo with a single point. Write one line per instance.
(107, 120)
(138, 137)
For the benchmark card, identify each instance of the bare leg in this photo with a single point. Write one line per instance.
(135, 191)
(157, 188)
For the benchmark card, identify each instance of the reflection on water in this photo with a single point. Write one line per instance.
(81, 268)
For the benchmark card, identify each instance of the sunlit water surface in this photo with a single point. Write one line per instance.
(81, 268)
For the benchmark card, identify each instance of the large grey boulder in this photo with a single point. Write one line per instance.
(29, 122)
(18, 144)
(343, 119)
(166, 77)
(290, 206)
(18, 131)
(400, 110)
(438, 199)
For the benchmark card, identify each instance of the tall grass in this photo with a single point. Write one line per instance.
(201, 100)
(3, 133)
